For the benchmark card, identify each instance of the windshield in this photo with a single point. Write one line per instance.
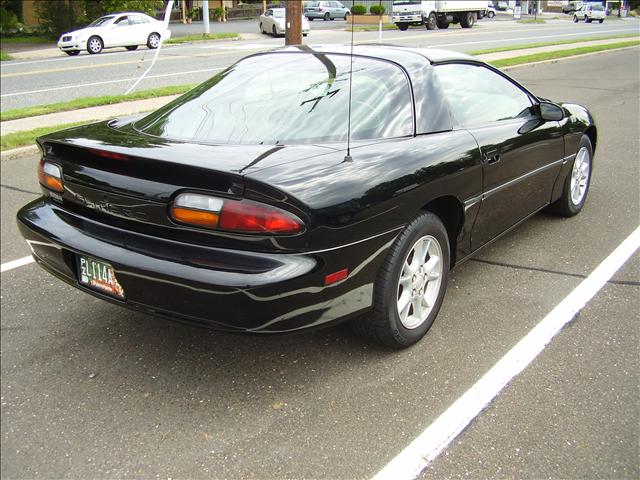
(279, 13)
(101, 21)
(290, 98)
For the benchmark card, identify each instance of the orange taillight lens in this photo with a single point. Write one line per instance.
(195, 217)
(50, 176)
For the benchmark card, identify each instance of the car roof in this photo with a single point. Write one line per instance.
(393, 53)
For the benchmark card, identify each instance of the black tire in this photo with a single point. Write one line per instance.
(153, 41)
(467, 20)
(443, 24)
(587, 19)
(601, 20)
(575, 19)
(432, 21)
(565, 205)
(491, 14)
(311, 19)
(274, 32)
(132, 47)
(383, 324)
(305, 34)
(402, 26)
(327, 17)
(346, 17)
(72, 53)
(94, 45)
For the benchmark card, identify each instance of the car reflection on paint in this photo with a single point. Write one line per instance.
(305, 186)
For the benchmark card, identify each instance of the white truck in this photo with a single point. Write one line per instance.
(434, 13)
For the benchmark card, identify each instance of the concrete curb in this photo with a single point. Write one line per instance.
(15, 153)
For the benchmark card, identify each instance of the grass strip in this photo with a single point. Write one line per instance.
(373, 28)
(5, 56)
(91, 102)
(532, 20)
(538, 57)
(547, 44)
(22, 139)
(27, 39)
(203, 37)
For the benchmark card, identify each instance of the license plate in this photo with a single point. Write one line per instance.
(99, 276)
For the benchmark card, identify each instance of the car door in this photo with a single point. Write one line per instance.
(121, 32)
(140, 29)
(521, 154)
(268, 21)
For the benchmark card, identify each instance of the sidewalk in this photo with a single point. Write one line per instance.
(129, 108)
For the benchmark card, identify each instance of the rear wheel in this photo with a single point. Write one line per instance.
(587, 19)
(410, 285)
(402, 26)
(310, 19)
(346, 17)
(576, 186)
(575, 19)
(601, 20)
(467, 20)
(153, 41)
(491, 14)
(72, 53)
(327, 16)
(443, 24)
(132, 47)
(274, 31)
(431, 22)
(94, 45)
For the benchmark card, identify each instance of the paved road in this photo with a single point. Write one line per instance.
(26, 83)
(91, 390)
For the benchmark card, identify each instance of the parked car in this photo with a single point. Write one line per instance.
(491, 10)
(327, 10)
(287, 193)
(273, 21)
(128, 29)
(590, 12)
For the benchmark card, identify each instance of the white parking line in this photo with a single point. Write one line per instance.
(432, 441)
(16, 263)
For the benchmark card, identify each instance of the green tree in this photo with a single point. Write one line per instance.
(96, 8)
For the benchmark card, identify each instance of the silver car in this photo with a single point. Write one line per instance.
(327, 10)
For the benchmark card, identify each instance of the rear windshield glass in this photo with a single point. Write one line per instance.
(290, 98)
(597, 7)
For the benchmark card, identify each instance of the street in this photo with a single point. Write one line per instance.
(61, 78)
(93, 390)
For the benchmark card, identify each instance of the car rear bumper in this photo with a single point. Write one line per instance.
(220, 288)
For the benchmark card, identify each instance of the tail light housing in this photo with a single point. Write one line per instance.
(242, 216)
(50, 176)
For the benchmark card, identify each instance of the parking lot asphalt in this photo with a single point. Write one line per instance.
(93, 390)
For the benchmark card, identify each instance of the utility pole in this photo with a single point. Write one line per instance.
(293, 20)
(205, 16)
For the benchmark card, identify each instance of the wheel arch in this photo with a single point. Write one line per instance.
(450, 211)
(592, 133)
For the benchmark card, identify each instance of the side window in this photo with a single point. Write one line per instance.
(477, 95)
(122, 21)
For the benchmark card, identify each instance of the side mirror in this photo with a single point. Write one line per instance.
(550, 112)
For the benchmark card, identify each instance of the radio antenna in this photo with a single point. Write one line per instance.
(348, 158)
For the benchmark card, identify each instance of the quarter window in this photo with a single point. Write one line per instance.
(477, 95)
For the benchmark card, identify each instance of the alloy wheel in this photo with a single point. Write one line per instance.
(419, 282)
(580, 175)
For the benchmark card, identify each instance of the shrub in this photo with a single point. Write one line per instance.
(377, 9)
(359, 10)
(218, 12)
(8, 21)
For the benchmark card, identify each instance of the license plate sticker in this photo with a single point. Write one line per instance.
(99, 276)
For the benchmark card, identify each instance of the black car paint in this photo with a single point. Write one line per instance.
(117, 210)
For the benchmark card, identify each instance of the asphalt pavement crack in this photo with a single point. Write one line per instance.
(554, 272)
(16, 189)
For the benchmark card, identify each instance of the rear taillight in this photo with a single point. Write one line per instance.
(243, 216)
(50, 176)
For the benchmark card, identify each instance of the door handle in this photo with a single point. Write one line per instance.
(492, 156)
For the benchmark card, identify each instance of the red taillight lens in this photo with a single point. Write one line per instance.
(50, 176)
(110, 155)
(255, 218)
(242, 216)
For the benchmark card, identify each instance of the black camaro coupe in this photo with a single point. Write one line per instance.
(306, 186)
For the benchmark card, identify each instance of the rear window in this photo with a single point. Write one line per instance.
(290, 98)
(597, 7)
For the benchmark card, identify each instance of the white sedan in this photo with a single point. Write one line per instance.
(273, 21)
(128, 30)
